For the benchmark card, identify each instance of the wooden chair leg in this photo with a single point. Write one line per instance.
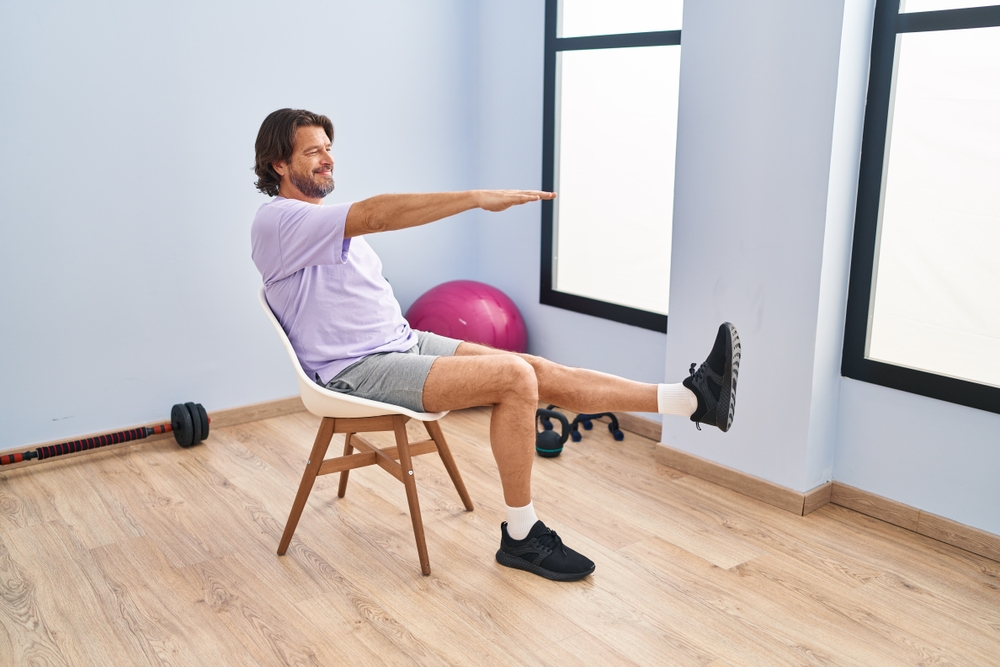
(323, 437)
(403, 447)
(348, 450)
(434, 430)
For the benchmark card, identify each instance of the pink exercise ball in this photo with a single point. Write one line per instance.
(471, 311)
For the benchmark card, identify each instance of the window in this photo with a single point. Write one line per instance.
(924, 301)
(610, 127)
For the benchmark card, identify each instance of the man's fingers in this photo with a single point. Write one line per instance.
(537, 194)
(499, 200)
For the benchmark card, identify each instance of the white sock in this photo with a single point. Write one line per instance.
(675, 399)
(520, 520)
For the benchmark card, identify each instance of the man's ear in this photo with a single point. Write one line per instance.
(280, 167)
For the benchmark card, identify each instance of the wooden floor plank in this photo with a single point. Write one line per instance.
(373, 636)
(20, 493)
(270, 627)
(582, 649)
(26, 635)
(92, 514)
(687, 596)
(166, 625)
(929, 624)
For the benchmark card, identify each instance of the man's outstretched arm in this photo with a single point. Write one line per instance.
(387, 212)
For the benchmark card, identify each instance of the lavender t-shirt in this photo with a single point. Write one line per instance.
(327, 291)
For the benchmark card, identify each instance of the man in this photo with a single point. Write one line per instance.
(325, 285)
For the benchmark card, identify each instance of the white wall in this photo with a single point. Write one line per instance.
(939, 457)
(126, 190)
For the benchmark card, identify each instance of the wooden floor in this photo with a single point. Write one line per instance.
(153, 555)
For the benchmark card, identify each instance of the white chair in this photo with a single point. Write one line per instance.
(351, 415)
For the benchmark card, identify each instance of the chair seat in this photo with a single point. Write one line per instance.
(325, 403)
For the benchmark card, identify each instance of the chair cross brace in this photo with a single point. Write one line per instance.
(397, 461)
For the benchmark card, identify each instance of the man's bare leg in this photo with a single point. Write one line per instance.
(506, 382)
(513, 384)
(707, 396)
(578, 389)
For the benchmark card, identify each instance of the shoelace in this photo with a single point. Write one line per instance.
(552, 541)
(698, 375)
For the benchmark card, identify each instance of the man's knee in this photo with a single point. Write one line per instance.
(544, 369)
(519, 379)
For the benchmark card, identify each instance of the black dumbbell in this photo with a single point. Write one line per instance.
(189, 422)
(587, 422)
(616, 432)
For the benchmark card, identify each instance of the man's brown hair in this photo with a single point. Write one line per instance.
(276, 142)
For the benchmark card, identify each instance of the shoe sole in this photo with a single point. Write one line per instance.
(517, 563)
(727, 397)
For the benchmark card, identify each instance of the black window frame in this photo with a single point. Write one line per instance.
(553, 45)
(887, 25)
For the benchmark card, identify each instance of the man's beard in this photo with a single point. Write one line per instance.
(309, 187)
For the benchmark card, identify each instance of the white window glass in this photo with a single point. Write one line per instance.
(908, 6)
(578, 18)
(615, 144)
(936, 304)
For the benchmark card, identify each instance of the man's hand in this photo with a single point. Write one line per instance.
(384, 213)
(501, 200)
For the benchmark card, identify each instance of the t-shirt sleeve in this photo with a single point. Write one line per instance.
(296, 235)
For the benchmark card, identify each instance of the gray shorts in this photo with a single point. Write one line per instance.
(395, 377)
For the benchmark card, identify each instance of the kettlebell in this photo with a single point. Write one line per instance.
(548, 443)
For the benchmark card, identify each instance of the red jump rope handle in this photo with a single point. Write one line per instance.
(87, 443)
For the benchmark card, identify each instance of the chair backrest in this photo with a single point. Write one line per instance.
(325, 403)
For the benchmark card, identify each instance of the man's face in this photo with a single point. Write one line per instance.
(309, 172)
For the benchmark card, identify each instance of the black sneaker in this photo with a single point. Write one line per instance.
(543, 553)
(714, 383)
